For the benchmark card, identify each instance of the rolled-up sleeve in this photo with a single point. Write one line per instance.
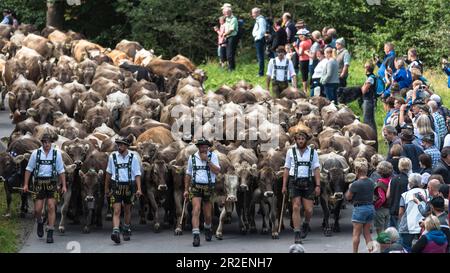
(135, 166)
(215, 160)
(270, 68)
(189, 166)
(32, 162)
(291, 69)
(110, 165)
(288, 160)
(59, 163)
(315, 161)
(347, 58)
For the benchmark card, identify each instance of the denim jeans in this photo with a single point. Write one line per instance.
(406, 239)
(330, 91)
(393, 221)
(259, 45)
(368, 108)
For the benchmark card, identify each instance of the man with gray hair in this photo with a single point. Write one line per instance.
(343, 59)
(259, 29)
(439, 122)
(390, 135)
(231, 31)
(409, 213)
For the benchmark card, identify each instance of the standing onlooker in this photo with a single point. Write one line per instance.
(430, 149)
(375, 160)
(390, 135)
(431, 192)
(446, 69)
(423, 127)
(410, 149)
(343, 59)
(425, 168)
(368, 89)
(221, 41)
(438, 209)
(360, 193)
(259, 30)
(384, 169)
(312, 53)
(279, 37)
(7, 19)
(388, 61)
(318, 73)
(401, 76)
(443, 166)
(413, 60)
(289, 27)
(303, 51)
(330, 78)
(394, 155)
(434, 240)
(398, 185)
(231, 31)
(409, 213)
(332, 33)
(280, 71)
(391, 117)
(439, 122)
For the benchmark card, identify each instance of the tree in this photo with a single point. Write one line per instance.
(55, 13)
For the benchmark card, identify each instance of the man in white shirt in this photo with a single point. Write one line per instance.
(281, 71)
(259, 29)
(302, 171)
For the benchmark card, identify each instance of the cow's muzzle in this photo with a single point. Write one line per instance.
(162, 187)
(244, 187)
(338, 195)
(89, 198)
(268, 193)
(232, 198)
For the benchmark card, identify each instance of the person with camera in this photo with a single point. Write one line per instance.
(409, 213)
(446, 69)
(360, 193)
(423, 201)
(302, 178)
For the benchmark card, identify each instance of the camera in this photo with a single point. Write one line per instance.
(419, 197)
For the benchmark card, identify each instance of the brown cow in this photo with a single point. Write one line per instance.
(96, 116)
(158, 135)
(42, 45)
(129, 47)
(184, 61)
(83, 49)
(42, 109)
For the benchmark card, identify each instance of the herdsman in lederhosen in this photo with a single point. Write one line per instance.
(302, 171)
(200, 180)
(47, 167)
(123, 177)
(280, 71)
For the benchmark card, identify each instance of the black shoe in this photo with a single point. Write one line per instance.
(40, 230)
(298, 236)
(196, 241)
(126, 234)
(115, 236)
(208, 234)
(305, 229)
(50, 236)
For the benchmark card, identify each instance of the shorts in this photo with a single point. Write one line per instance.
(45, 189)
(278, 87)
(203, 191)
(304, 68)
(381, 220)
(363, 214)
(122, 192)
(295, 191)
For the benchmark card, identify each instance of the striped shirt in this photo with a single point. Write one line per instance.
(434, 153)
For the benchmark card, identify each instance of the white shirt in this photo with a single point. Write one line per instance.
(46, 170)
(302, 170)
(123, 172)
(280, 73)
(320, 67)
(259, 29)
(201, 176)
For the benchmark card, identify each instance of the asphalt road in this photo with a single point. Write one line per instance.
(145, 240)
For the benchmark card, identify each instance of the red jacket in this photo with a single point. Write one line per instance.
(381, 193)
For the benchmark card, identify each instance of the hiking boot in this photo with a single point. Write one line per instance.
(208, 234)
(298, 236)
(305, 229)
(40, 230)
(126, 234)
(115, 236)
(50, 236)
(196, 241)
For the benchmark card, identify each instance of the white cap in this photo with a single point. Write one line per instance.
(303, 31)
(436, 98)
(226, 5)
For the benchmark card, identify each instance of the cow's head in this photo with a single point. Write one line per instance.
(267, 178)
(246, 173)
(315, 124)
(335, 175)
(91, 185)
(158, 172)
(77, 151)
(231, 186)
(8, 164)
(147, 150)
(23, 100)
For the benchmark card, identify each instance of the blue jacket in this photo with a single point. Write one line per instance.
(447, 71)
(403, 78)
(387, 61)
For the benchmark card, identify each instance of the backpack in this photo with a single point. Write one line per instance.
(375, 193)
(379, 85)
(240, 30)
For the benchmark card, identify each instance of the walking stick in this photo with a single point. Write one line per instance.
(281, 214)
(21, 189)
(182, 212)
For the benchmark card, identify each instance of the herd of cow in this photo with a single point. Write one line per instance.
(86, 95)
